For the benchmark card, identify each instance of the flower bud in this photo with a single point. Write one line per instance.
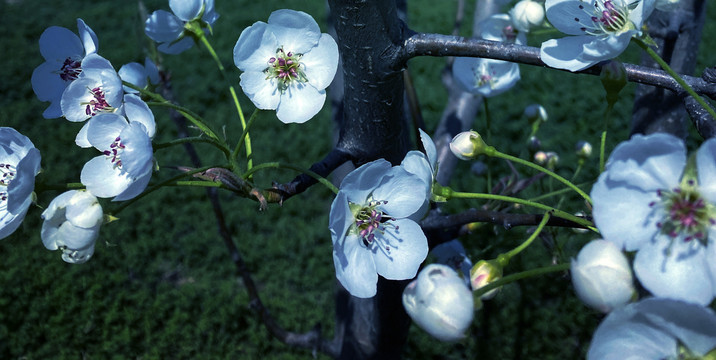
(614, 79)
(72, 222)
(534, 144)
(483, 273)
(467, 145)
(527, 14)
(536, 113)
(583, 149)
(602, 277)
(439, 302)
(540, 158)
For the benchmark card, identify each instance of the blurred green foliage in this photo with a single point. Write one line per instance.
(161, 283)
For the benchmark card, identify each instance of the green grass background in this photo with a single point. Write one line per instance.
(161, 284)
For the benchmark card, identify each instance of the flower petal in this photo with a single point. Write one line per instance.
(566, 53)
(400, 250)
(359, 183)
(403, 192)
(321, 62)
(299, 103)
(706, 165)
(88, 37)
(103, 130)
(102, 179)
(135, 188)
(693, 325)
(649, 162)
(178, 47)
(24, 182)
(675, 269)
(295, 30)
(612, 201)
(133, 73)
(568, 16)
(256, 45)
(137, 155)
(262, 92)
(163, 26)
(138, 111)
(58, 43)
(186, 9)
(355, 268)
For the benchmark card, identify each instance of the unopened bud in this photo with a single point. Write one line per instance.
(439, 302)
(614, 79)
(527, 14)
(541, 158)
(583, 149)
(552, 160)
(467, 145)
(602, 277)
(485, 272)
(534, 144)
(536, 113)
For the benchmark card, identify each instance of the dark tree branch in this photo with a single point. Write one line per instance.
(300, 183)
(446, 45)
(677, 34)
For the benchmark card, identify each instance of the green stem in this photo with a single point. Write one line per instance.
(519, 276)
(156, 187)
(488, 126)
(504, 259)
(194, 119)
(674, 75)
(556, 212)
(194, 139)
(235, 98)
(491, 151)
(278, 165)
(554, 193)
(245, 133)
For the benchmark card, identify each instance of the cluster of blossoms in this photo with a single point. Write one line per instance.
(82, 86)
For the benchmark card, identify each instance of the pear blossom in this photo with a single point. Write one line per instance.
(602, 277)
(371, 228)
(72, 222)
(19, 163)
(97, 90)
(134, 109)
(601, 30)
(653, 201)
(139, 75)
(440, 303)
(467, 145)
(63, 51)
(125, 166)
(287, 64)
(656, 328)
(490, 77)
(168, 29)
(527, 14)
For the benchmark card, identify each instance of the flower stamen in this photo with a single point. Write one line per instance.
(98, 104)
(115, 150)
(285, 67)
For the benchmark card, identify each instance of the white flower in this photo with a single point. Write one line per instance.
(602, 30)
(439, 302)
(602, 277)
(527, 14)
(487, 76)
(287, 64)
(467, 145)
(63, 52)
(139, 75)
(655, 328)
(371, 228)
(72, 222)
(125, 166)
(453, 254)
(19, 163)
(169, 29)
(648, 200)
(97, 90)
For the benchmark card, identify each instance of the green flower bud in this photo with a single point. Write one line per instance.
(467, 145)
(485, 272)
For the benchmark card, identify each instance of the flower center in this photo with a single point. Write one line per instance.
(370, 219)
(509, 34)
(70, 69)
(685, 213)
(286, 68)
(115, 150)
(605, 17)
(483, 76)
(7, 173)
(98, 104)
